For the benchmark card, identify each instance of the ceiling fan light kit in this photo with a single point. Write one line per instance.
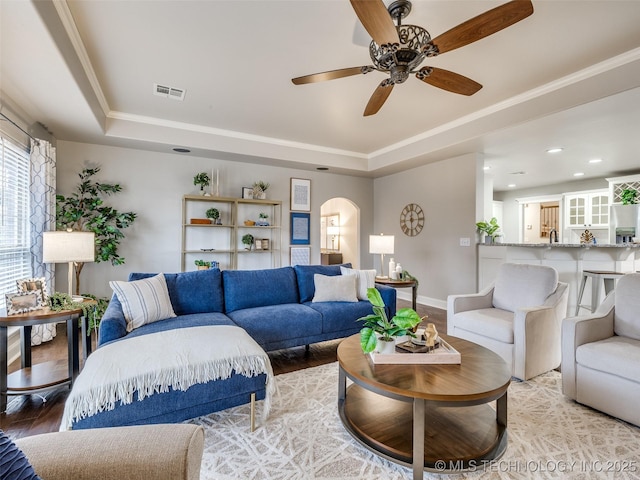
(399, 50)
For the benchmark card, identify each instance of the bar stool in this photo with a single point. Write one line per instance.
(609, 279)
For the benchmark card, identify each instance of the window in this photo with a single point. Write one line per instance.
(15, 257)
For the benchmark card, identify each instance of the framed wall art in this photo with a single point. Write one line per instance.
(299, 225)
(301, 194)
(300, 255)
(23, 302)
(27, 285)
(247, 192)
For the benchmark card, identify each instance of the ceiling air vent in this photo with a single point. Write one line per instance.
(168, 92)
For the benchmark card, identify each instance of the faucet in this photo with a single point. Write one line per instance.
(551, 235)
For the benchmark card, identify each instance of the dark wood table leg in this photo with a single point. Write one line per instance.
(501, 410)
(73, 348)
(3, 369)
(418, 438)
(25, 347)
(414, 296)
(86, 338)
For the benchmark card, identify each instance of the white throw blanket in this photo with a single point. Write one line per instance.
(156, 362)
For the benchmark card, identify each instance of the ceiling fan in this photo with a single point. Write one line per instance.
(400, 49)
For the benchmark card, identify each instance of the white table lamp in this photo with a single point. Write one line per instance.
(68, 247)
(381, 244)
(334, 231)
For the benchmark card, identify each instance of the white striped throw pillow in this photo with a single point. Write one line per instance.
(144, 301)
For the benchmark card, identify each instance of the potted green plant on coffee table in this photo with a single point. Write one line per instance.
(378, 328)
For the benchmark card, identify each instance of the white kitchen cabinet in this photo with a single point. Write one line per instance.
(587, 209)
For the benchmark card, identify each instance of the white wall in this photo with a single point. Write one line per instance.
(153, 185)
(446, 191)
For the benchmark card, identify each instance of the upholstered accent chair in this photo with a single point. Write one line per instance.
(141, 452)
(518, 317)
(601, 353)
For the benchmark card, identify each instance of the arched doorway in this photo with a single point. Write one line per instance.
(340, 229)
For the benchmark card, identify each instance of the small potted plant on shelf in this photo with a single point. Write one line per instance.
(629, 196)
(379, 329)
(203, 180)
(214, 214)
(259, 188)
(247, 239)
(262, 222)
(203, 265)
(490, 230)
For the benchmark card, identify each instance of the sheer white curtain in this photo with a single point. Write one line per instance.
(43, 219)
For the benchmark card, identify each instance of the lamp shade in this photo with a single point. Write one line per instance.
(62, 247)
(381, 243)
(333, 230)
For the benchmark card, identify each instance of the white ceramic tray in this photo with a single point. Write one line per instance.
(445, 354)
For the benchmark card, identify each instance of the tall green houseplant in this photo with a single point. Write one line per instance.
(84, 210)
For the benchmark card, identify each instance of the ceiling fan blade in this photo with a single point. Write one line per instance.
(483, 25)
(378, 98)
(376, 20)
(332, 75)
(450, 81)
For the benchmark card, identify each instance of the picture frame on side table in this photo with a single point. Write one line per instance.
(300, 194)
(299, 225)
(300, 256)
(27, 285)
(21, 302)
(247, 193)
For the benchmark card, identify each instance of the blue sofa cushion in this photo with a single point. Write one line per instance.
(273, 323)
(192, 292)
(13, 463)
(304, 276)
(258, 288)
(339, 316)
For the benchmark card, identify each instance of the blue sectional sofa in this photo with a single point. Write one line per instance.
(275, 308)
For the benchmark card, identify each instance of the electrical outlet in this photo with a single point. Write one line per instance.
(465, 242)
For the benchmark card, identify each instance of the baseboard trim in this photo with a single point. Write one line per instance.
(422, 300)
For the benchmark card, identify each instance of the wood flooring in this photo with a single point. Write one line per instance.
(31, 415)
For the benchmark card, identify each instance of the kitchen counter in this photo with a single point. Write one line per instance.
(564, 245)
(567, 258)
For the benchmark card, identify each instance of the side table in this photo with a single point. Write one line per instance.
(402, 284)
(43, 376)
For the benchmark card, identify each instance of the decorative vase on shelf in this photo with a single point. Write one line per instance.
(392, 269)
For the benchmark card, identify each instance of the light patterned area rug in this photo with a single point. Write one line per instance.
(303, 438)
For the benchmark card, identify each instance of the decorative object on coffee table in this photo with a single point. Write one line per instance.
(378, 328)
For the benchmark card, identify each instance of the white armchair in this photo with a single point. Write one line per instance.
(601, 353)
(518, 317)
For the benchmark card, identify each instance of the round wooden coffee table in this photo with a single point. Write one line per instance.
(411, 414)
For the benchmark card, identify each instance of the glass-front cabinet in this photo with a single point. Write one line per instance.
(587, 209)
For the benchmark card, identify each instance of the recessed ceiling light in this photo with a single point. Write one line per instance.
(322, 168)
(511, 185)
(578, 174)
(595, 160)
(521, 172)
(181, 150)
(555, 150)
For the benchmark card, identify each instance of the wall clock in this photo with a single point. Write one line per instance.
(412, 219)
